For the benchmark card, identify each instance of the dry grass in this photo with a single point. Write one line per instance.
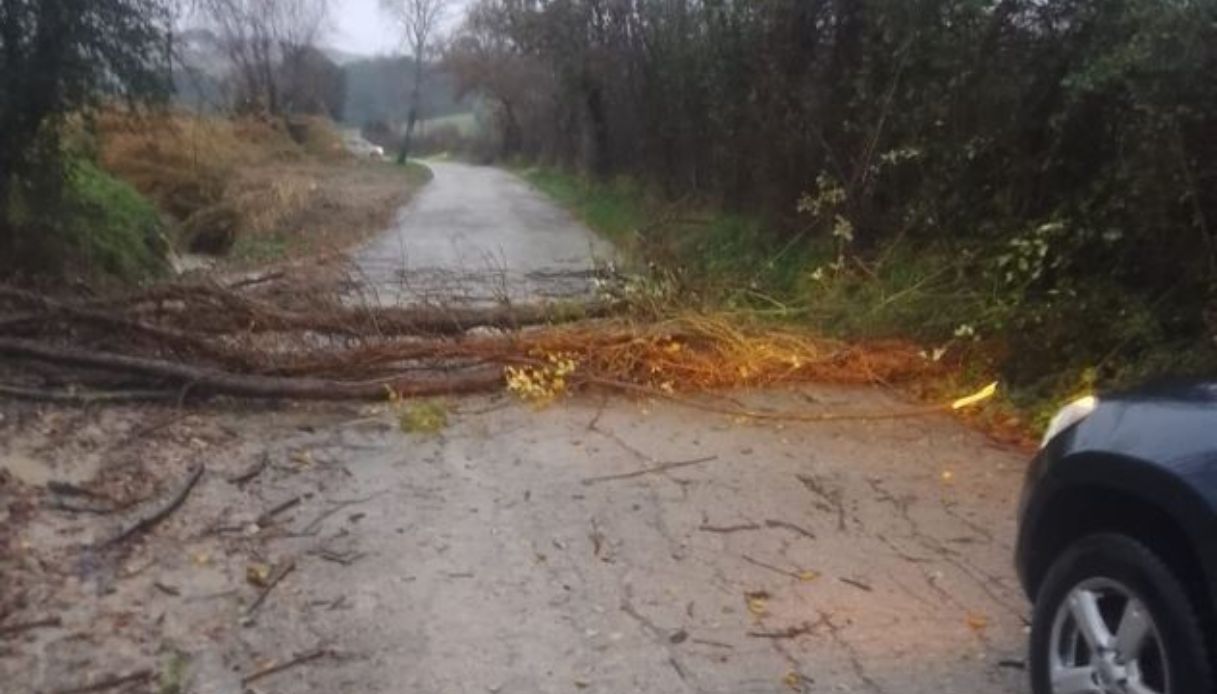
(197, 169)
(697, 352)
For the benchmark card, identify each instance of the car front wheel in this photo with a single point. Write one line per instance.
(1112, 618)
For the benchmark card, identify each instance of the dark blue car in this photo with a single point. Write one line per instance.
(1117, 545)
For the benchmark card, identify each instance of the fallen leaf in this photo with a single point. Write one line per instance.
(758, 603)
(808, 576)
(977, 622)
(948, 476)
(793, 680)
(258, 574)
(976, 398)
(201, 558)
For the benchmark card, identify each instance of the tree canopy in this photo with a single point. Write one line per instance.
(62, 57)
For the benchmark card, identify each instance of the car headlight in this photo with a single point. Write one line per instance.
(1069, 415)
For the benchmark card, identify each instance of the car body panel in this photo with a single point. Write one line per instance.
(1157, 445)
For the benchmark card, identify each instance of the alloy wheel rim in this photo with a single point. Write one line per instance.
(1105, 641)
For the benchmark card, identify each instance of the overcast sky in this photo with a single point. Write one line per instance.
(360, 27)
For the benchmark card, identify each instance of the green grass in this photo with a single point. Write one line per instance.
(115, 228)
(465, 123)
(100, 226)
(616, 210)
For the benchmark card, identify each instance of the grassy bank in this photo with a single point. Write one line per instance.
(971, 307)
(99, 228)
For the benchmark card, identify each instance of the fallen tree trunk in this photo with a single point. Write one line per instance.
(209, 308)
(87, 397)
(168, 336)
(217, 382)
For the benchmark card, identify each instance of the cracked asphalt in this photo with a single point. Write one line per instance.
(503, 556)
(601, 545)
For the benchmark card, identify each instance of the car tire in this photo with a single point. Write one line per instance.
(1115, 562)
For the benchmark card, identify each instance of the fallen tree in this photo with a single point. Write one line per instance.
(210, 381)
(179, 341)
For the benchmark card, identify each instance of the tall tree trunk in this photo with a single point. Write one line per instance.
(412, 119)
(7, 245)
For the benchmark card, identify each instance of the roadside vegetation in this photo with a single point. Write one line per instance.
(107, 175)
(950, 299)
(1026, 188)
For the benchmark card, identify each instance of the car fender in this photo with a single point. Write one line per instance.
(1173, 490)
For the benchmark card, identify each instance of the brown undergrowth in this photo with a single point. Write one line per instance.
(251, 189)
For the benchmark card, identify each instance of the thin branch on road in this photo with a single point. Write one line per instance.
(655, 470)
(282, 573)
(305, 657)
(159, 513)
(728, 529)
(22, 627)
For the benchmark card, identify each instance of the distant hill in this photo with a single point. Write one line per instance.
(377, 88)
(341, 57)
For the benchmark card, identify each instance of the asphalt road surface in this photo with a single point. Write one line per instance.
(479, 235)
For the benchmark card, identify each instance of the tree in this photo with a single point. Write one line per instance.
(60, 57)
(419, 21)
(312, 83)
(259, 36)
(486, 60)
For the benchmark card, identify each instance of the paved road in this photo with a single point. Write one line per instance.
(502, 556)
(478, 234)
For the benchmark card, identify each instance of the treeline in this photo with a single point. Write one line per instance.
(1071, 144)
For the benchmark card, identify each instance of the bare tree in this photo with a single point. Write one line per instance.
(419, 22)
(260, 36)
(485, 58)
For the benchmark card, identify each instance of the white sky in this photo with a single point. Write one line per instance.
(360, 27)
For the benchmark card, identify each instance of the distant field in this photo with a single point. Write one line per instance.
(466, 123)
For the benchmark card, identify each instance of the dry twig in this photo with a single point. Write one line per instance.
(305, 657)
(656, 470)
(159, 513)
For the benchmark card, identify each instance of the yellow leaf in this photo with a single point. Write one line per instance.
(257, 574)
(793, 680)
(977, 621)
(808, 576)
(976, 398)
(758, 603)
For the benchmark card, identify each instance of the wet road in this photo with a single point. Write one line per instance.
(477, 235)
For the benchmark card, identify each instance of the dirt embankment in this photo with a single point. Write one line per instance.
(250, 191)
